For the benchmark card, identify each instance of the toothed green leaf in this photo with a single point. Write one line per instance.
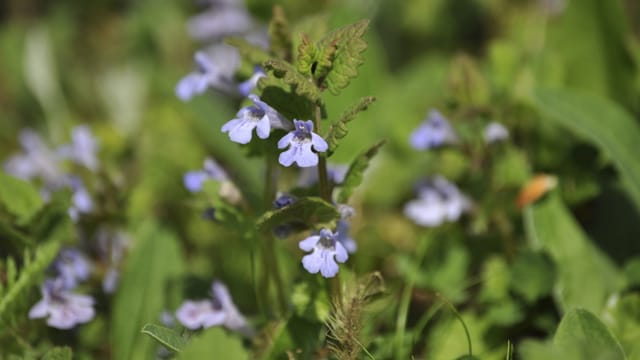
(281, 97)
(338, 128)
(299, 84)
(311, 211)
(339, 55)
(307, 55)
(279, 35)
(356, 172)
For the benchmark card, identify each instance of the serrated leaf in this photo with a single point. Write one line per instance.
(249, 52)
(58, 353)
(602, 122)
(340, 55)
(154, 261)
(307, 54)
(311, 211)
(581, 335)
(279, 35)
(299, 84)
(338, 128)
(214, 341)
(355, 174)
(165, 336)
(281, 97)
(551, 227)
(19, 197)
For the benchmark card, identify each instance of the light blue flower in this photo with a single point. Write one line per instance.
(325, 251)
(259, 116)
(222, 19)
(82, 149)
(435, 131)
(63, 308)
(283, 200)
(301, 139)
(211, 170)
(495, 132)
(438, 201)
(247, 86)
(81, 202)
(219, 310)
(37, 160)
(72, 267)
(215, 69)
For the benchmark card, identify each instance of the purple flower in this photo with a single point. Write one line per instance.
(219, 310)
(325, 251)
(259, 116)
(63, 309)
(495, 132)
(211, 171)
(438, 201)
(283, 200)
(219, 22)
(434, 132)
(81, 202)
(215, 72)
(247, 86)
(36, 160)
(72, 267)
(301, 139)
(82, 149)
(342, 236)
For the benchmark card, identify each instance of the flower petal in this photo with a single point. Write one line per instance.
(285, 140)
(319, 144)
(309, 243)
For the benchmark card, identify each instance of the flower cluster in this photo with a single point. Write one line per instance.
(438, 201)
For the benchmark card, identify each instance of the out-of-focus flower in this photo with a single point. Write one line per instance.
(81, 202)
(112, 245)
(211, 170)
(438, 201)
(283, 200)
(248, 85)
(326, 251)
(36, 160)
(300, 140)
(435, 131)
(63, 309)
(222, 19)
(342, 236)
(259, 116)
(495, 132)
(309, 175)
(72, 267)
(82, 149)
(219, 310)
(214, 70)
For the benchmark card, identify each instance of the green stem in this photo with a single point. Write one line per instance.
(464, 325)
(405, 301)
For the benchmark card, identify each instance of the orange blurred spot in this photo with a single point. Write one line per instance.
(535, 189)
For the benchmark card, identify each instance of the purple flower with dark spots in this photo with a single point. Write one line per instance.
(435, 131)
(63, 309)
(300, 141)
(326, 252)
(259, 116)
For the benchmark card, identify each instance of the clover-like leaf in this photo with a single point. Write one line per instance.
(356, 171)
(338, 128)
(311, 211)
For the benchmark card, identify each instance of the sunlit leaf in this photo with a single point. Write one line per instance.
(167, 337)
(601, 122)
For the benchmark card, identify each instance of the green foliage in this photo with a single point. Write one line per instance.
(532, 275)
(279, 35)
(355, 174)
(552, 228)
(154, 262)
(165, 336)
(310, 211)
(19, 283)
(214, 341)
(299, 84)
(58, 353)
(338, 128)
(249, 52)
(19, 197)
(601, 122)
(339, 56)
(283, 97)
